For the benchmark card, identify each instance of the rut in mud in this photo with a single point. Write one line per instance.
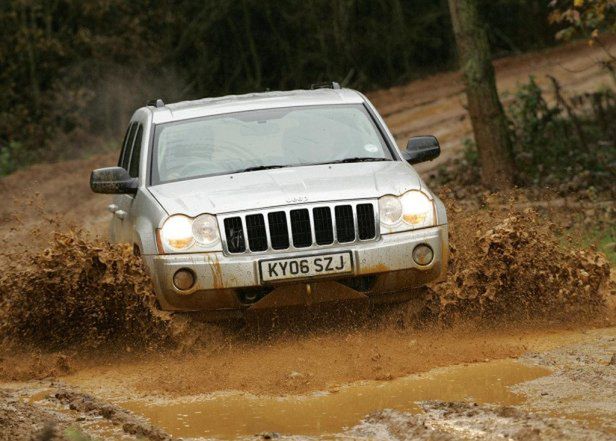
(506, 264)
(444, 421)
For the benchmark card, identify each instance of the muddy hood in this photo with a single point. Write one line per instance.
(277, 187)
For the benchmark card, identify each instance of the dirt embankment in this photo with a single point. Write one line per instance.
(436, 105)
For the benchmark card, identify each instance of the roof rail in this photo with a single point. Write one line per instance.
(330, 85)
(156, 103)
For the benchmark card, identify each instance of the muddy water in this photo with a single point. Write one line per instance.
(231, 415)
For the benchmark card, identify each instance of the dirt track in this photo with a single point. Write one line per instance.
(91, 390)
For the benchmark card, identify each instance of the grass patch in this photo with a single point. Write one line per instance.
(604, 239)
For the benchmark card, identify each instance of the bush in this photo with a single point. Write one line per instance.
(72, 65)
(566, 144)
(570, 141)
(12, 156)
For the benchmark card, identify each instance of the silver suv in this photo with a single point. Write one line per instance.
(271, 199)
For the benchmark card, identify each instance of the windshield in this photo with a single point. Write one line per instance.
(261, 139)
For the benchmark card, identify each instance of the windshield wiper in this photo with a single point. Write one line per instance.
(357, 159)
(338, 161)
(260, 167)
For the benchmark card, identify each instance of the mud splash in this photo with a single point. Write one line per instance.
(83, 293)
(508, 264)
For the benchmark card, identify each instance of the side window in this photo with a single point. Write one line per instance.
(124, 142)
(133, 170)
(126, 148)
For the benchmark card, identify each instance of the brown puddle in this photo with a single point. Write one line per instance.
(235, 414)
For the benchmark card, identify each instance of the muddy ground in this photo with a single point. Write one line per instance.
(562, 387)
(519, 343)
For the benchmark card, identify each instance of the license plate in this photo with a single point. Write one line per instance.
(307, 266)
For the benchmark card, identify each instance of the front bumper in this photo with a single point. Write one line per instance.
(225, 282)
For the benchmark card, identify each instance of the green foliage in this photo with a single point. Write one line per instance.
(469, 153)
(569, 141)
(587, 18)
(13, 156)
(461, 174)
(604, 239)
(74, 434)
(593, 229)
(567, 144)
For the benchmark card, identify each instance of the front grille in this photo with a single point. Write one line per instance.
(365, 221)
(279, 232)
(234, 234)
(255, 229)
(323, 229)
(316, 226)
(300, 226)
(345, 225)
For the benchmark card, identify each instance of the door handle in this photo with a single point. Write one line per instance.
(112, 208)
(120, 214)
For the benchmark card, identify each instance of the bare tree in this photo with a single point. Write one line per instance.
(485, 109)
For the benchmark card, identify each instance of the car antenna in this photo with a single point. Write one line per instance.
(330, 85)
(156, 103)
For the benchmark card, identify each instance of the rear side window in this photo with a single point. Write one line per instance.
(133, 170)
(126, 147)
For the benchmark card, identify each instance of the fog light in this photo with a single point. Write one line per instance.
(184, 279)
(423, 254)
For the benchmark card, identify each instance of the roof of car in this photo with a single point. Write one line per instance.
(253, 101)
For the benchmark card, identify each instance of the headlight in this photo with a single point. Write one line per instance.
(177, 232)
(417, 209)
(413, 208)
(205, 229)
(390, 210)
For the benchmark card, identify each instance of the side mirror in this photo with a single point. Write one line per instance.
(113, 180)
(421, 149)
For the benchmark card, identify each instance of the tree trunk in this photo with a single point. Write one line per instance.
(485, 109)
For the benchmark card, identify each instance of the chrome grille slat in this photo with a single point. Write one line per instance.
(289, 231)
(355, 221)
(311, 222)
(267, 230)
(334, 226)
(275, 229)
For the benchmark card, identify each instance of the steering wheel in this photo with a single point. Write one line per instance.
(237, 151)
(198, 164)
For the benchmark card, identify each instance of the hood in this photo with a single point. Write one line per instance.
(285, 186)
